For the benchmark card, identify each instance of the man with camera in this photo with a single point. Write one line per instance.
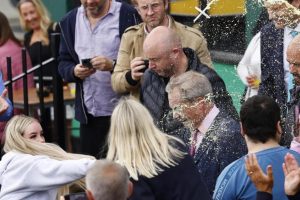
(127, 75)
(90, 41)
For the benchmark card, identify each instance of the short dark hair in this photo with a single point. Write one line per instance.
(259, 118)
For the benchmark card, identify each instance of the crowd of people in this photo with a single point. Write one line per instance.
(156, 119)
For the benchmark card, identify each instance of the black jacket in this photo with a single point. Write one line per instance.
(155, 98)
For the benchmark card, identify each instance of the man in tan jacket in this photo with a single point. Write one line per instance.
(127, 73)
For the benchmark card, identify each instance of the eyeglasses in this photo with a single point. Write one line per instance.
(153, 6)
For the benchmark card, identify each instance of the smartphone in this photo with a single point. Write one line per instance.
(146, 63)
(76, 196)
(87, 63)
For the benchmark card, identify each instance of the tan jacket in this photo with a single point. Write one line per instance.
(132, 46)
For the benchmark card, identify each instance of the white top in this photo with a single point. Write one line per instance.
(251, 64)
(23, 176)
(251, 61)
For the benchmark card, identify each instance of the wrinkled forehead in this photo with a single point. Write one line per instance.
(147, 2)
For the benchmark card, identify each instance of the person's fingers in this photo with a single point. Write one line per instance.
(247, 163)
(269, 172)
(284, 169)
(4, 93)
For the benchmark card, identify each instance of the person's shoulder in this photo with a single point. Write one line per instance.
(230, 181)
(190, 30)
(296, 154)
(70, 15)
(134, 29)
(126, 6)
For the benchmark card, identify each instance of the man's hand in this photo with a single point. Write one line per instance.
(253, 81)
(137, 64)
(3, 103)
(102, 63)
(262, 182)
(292, 174)
(82, 72)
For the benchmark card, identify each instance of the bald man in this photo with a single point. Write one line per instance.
(292, 121)
(127, 76)
(107, 180)
(167, 58)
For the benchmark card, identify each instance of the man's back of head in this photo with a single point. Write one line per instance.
(260, 116)
(107, 180)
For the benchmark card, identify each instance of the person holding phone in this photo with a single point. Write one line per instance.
(33, 169)
(90, 42)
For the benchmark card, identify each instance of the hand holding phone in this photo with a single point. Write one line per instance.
(87, 63)
(146, 63)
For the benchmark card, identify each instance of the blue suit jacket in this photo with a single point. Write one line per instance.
(221, 145)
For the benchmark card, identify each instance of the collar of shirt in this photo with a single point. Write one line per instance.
(206, 124)
(208, 120)
(287, 38)
(288, 29)
(169, 26)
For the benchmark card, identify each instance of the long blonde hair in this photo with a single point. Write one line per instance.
(42, 12)
(136, 143)
(14, 141)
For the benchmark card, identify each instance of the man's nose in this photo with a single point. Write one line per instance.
(150, 10)
(292, 68)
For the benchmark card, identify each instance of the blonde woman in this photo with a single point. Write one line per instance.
(35, 20)
(157, 163)
(33, 169)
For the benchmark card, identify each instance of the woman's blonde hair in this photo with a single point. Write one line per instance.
(14, 141)
(41, 11)
(136, 143)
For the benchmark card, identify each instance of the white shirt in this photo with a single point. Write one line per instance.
(23, 176)
(251, 61)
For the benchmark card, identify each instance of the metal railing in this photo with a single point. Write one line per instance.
(59, 122)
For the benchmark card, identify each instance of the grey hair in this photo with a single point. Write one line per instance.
(191, 85)
(107, 180)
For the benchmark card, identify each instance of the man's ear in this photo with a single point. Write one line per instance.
(278, 129)
(130, 189)
(89, 195)
(242, 130)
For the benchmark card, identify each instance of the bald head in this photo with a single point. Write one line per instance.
(107, 180)
(161, 39)
(294, 46)
(293, 57)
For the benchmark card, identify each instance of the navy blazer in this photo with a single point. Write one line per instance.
(221, 145)
(181, 182)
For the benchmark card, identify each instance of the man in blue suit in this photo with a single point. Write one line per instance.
(215, 136)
